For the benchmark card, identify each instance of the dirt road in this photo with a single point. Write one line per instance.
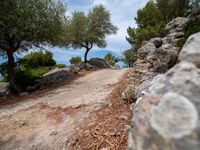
(46, 122)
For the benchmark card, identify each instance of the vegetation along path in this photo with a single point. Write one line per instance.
(48, 121)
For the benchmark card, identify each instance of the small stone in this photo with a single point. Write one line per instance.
(53, 133)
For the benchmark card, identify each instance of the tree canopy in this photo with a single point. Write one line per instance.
(130, 57)
(87, 30)
(25, 23)
(111, 59)
(151, 19)
(75, 60)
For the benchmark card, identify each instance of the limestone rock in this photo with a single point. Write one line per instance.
(163, 57)
(157, 42)
(144, 50)
(99, 63)
(50, 78)
(191, 50)
(167, 116)
(178, 22)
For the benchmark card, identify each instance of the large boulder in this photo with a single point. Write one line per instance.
(98, 63)
(191, 50)
(167, 115)
(49, 78)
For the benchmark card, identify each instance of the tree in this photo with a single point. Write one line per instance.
(85, 31)
(25, 23)
(130, 57)
(111, 59)
(173, 8)
(75, 60)
(148, 16)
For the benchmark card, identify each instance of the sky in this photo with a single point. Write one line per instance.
(122, 15)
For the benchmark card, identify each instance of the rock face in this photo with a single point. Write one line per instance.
(167, 115)
(99, 63)
(177, 23)
(162, 53)
(191, 50)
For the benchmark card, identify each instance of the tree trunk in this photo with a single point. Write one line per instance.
(86, 53)
(11, 79)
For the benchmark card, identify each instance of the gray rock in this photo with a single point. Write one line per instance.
(176, 34)
(167, 116)
(191, 50)
(178, 22)
(168, 40)
(163, 58)
(157, 42)
(143, 52)
(98, 63)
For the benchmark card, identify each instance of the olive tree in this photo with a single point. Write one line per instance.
(27, 23)
(87, 30)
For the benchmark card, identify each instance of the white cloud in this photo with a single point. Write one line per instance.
(122, 15)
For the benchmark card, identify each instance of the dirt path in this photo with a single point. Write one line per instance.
(46, 122)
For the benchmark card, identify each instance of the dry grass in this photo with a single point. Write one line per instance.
(109, 130)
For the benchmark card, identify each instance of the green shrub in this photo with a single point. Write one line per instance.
(27, 77)
(38, 59)
(75, 60)
(111, 59)
(193, 26)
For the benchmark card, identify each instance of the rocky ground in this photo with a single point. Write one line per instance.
(48, 121)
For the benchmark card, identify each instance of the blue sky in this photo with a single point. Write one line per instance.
(122, 16)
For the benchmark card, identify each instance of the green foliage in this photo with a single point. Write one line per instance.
(85, 31)
(75, 60)
(151, 19)
(193, 26)
(111, 59)
(130, 56)
(31, 67)
(26, 77)
(38, 59)
(136, 36)
(30, 22)
(148, 16)
(173, 8)
(150, 24)
(25, 23)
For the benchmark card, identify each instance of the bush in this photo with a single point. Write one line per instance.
(111, 60)
(75, 60)
(38, 59)
(193, 26)
(27, 77)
